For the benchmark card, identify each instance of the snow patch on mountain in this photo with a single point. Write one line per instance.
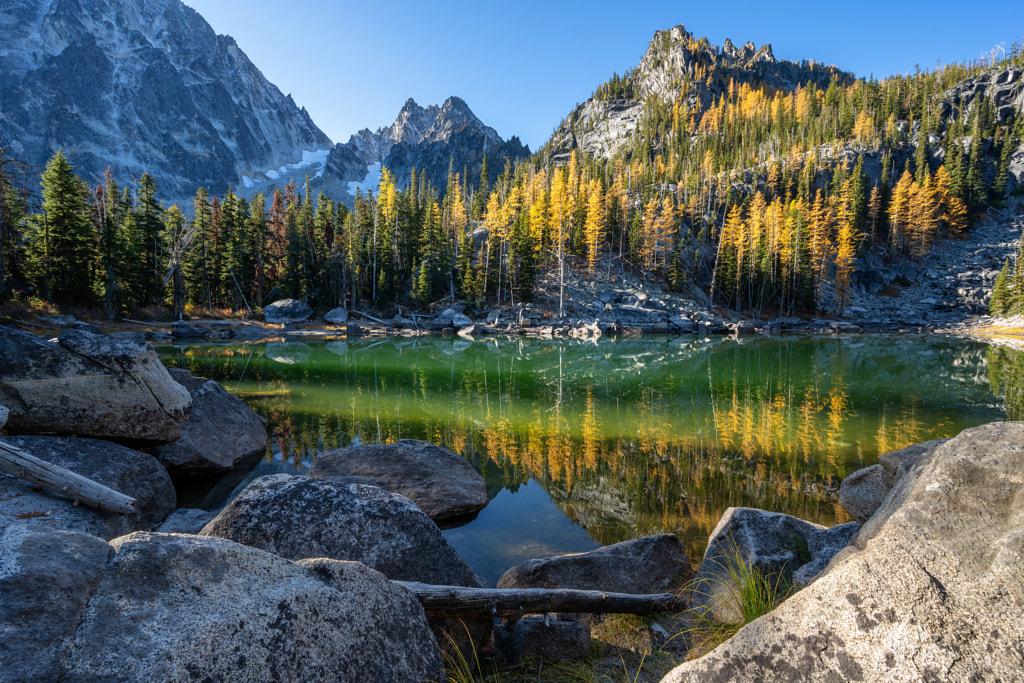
(368, 184)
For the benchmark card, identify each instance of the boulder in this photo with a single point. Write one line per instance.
(185, 521)
(3, 416)
(555, 640)
(638, 316)
(336, 316)
(46, 578)
(287, 311)
(823, 545)
(862, 492)
(929, 590)
(89, 385)
(300, 517)
(748, 540)
(221, 431)
(682, 324)
(168, 607)
(127, 471)
(440, 482)
(655, 564)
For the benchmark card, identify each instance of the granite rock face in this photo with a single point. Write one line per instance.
(929, 590)
(221, 431)
(144, 87)
(135, 474)
(441, 483)
(169, 607)
(89, 385)
(300, 517)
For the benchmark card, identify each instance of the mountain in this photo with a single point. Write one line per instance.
(144, 87)
(430, 139)
(678, 67)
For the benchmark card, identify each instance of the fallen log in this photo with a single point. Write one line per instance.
(18, 463)
(515, 602)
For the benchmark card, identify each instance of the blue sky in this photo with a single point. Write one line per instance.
(522, 67)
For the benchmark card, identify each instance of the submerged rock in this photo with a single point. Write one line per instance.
(440, 482)
(135, 474)
(929, 590)
(89, 385)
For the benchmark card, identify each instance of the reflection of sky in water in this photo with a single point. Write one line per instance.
(515, 527)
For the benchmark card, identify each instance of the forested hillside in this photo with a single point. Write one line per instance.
(754, 182)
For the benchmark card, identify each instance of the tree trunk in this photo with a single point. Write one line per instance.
(496, 602)
(18, 463)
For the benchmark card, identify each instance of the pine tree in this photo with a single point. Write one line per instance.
(1000, 302)
(64, 241)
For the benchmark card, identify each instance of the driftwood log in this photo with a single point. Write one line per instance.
(516, 602)
(80, 489)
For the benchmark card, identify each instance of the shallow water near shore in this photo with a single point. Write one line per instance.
(588, 443)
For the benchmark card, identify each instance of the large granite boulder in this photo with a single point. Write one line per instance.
(930, 589)
(127, 471)
(46, 578)
(336, 316)
(441, 483)
(168, 607)
(287, 311)
(655, 564)
(89, 385)
(221, 431)
(300, 517)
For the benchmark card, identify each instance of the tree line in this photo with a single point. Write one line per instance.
(764, 199)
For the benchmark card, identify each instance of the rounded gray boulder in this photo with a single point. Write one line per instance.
(441, 483)
(287, 311)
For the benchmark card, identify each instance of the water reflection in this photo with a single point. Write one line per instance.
(628, 437)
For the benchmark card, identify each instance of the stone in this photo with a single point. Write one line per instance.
(823, 545)
(654, 564)
(89, 385)
(60, 320)
(300, 517)
(682, 324)
(287, 311)
(440, 482)
(127, 471)
(748, 540)
(555, 640)
(905, 458)
(929, 590)
(4, 412)
(460, 320)
(449, 318)
(336, 316)
(862, 492)
(220, 433)
(186, 521)
(176, 607)
(46, 578)
(638, 316)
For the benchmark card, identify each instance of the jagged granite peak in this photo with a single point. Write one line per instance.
(676, 59)
(142, 86)
(430, 139)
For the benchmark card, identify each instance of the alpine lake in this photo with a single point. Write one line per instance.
(586, 443)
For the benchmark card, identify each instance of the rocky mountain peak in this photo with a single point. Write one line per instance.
(142, 86)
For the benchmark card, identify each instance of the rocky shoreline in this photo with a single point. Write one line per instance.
(295, 579)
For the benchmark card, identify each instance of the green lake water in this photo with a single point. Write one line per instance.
(588, 443)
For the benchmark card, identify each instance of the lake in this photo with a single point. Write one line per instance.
(587, 443)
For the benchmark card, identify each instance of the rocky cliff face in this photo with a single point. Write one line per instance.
(678, 66)
(144, 87)
(429, 139)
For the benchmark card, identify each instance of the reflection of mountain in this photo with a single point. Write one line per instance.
(628, 437)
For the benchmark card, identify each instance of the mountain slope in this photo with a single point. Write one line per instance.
(429, 139)
(678, 67)
(142, 87)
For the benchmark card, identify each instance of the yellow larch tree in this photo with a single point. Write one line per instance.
(594, 231)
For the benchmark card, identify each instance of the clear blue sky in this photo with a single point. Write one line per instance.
(522, 67)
